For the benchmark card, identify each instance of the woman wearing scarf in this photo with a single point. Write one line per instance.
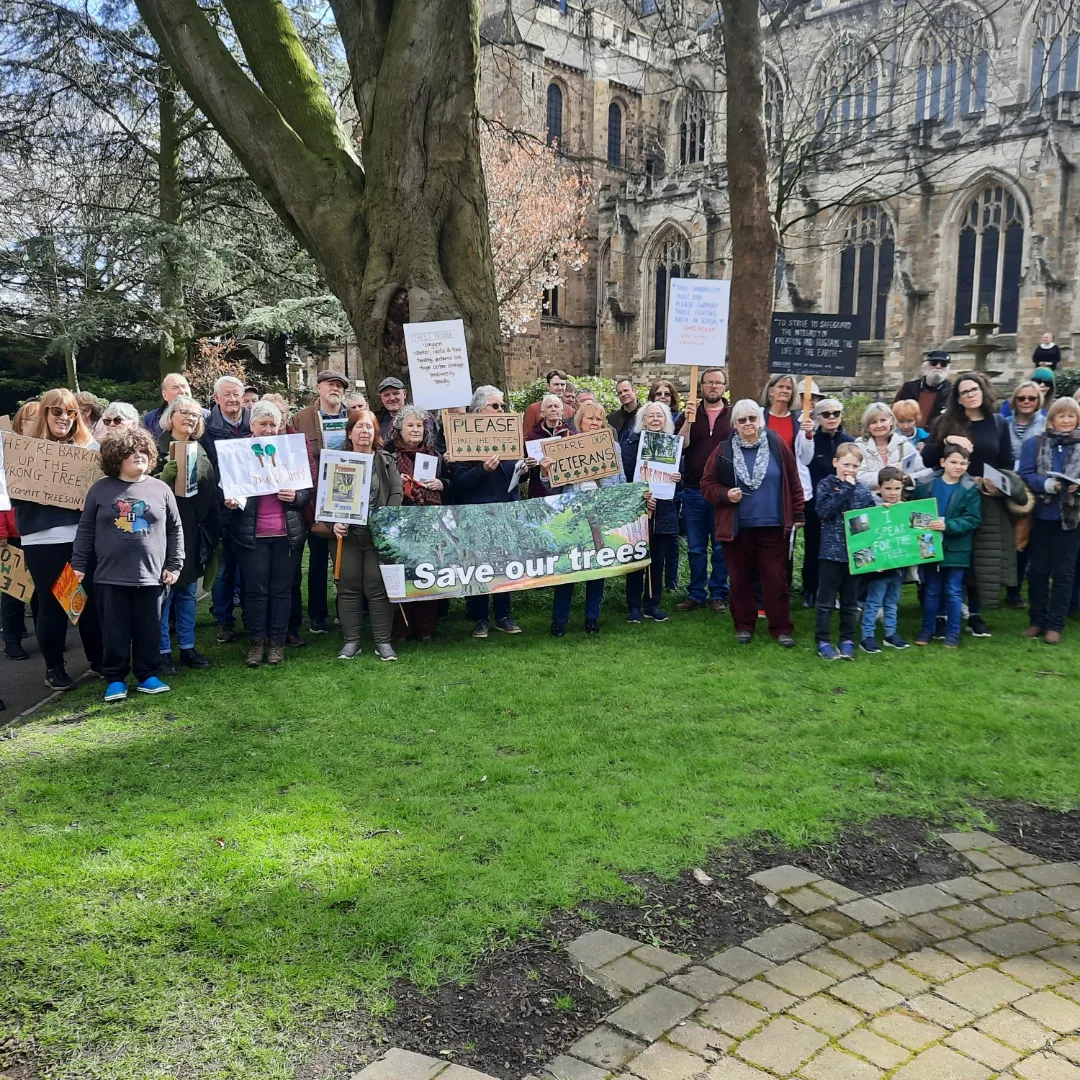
(753, 481)
(1055, 532)
(551, 426)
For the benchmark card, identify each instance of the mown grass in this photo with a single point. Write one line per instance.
(190, 884)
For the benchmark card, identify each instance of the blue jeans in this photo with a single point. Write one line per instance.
(942, 594)
(882, 594)
(477, 606)
(181, 599)
(228, 574)
(564, 595)
(700, 518)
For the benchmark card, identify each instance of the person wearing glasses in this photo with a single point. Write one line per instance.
(116, 417)
(48, 536)
(667, 546)
(753, 481)
(931, 391)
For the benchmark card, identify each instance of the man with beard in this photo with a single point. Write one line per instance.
(932, 390)
(704, 428)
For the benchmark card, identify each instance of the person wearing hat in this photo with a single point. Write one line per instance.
(322, 423)
(251, 395)
(932, 390)
(392, 398)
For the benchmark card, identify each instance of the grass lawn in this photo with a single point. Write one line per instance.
(189, 883)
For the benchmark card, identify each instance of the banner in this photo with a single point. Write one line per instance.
(698, 321)
(344, 487)
(70, 594)
(892, 537)
(15, 579)
(476, 436)
(250, 467)
(813, 344)
(658, 461)
(437, 551)
(583, 457)
(48, 472)
(438, 364)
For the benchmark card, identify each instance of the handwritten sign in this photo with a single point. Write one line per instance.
(657, 462)
(438, 364)
(263, 466)
(344, 487)
(698, 321)
(813, 344)
(891, 537)
(15, 579)
(47, 472)
(578, 458)
(5, 500)
(70, 595)
(476, 436)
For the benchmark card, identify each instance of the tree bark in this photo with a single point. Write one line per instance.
(175, 325)
(753, 231)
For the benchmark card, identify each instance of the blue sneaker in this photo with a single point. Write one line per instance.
(869, 645)
(952, 642)
(116, 691)
(895, 641)
(153, 685)
(847, 650)
(656, 614)
(827, 651)
(633, 615)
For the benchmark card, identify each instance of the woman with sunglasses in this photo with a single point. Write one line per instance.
(667, 546)
(117, 416)
(48, 535)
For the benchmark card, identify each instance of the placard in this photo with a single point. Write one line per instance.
(578, 458)
(810, 343)
(438, 364)
(15, 579)
(425, 466)
(47, 472)
(5, 500)
(697, 321)
(999, 480)
(476, 436)
(186, 456)
(70, 594)
(5, 423)
(658, 461)
(263, 466)
(892, 537)
(344, 487)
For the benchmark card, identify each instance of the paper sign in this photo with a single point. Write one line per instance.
(891, 537)
(1000, 481)
(47, 472)
(657, 462)
(186, 456)
(697, 321)
(438, 364)
(1057, 476)
(534, 449)
(15, 579)
(476, 436)
(5, 500)
(5, 423)
(813, 344)
(425, 467)
(263, 466)
(69, 594)
(344, 487)
(394, 580)
(578, 458)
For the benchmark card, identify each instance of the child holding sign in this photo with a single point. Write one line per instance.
(883, 588)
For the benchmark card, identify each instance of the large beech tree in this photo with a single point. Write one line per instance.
(399, 229)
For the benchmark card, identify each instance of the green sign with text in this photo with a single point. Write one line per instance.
(891, 537)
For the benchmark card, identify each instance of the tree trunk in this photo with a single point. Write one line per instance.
(753, 232)
(71, 365)
(175, 327)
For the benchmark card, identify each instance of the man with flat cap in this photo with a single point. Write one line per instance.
(932, 390)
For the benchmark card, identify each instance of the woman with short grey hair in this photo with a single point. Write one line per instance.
(115, 417)
(482, 399)
(882, 445)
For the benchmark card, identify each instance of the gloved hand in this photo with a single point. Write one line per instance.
(1051, 486)
(168, 474)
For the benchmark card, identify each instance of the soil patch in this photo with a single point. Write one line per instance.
(1053, 835)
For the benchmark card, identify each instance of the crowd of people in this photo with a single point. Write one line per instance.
(753, 474)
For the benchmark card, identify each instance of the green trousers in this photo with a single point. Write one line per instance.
(360, 578)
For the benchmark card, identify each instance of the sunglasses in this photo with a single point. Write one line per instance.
(1028, 397)
(747, 420)
(497, 405)
(108, 421)
(55, 410)
(829, 415)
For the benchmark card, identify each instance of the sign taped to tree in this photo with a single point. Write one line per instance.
(892, 537)
(697, 321)
(47, 472)
(344, 487)
(477, 436)
(445, 551)
(15, 579)
(813, 344)
(578, 458)
(438, 364)
(263, 466)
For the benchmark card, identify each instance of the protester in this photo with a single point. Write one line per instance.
(663, 520)
(172, 385)
(1046, 381)
(182, 422)
(22, 423)
(556, 383)
(815, 393)
(883, 587)
(664, 391)
(753, 481)
(13, 611)
(778, 399)
(132, 543)
(360, 577)
(355, 402)
(267, 534)
(48, 534)
(550, 426)
(833, 498)
(91, 407)
(816, 449)
(116, 416)
(569, 396)
(703, 429)
(907, 415)
(392, 397)
(959, 512)
(251, 395)
(931, 391)
(624, 419)
(881, 445)
(285, 409)
(583, 396)
(1055, 533)
(1047, 353)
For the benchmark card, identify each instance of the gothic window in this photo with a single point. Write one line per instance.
(848, 91)
(554, 113)
(1055, 51)
(671, 260)
(549, 307)
(774, 109)
(866, 270)
(989, 258)
(614, 134)
(950, 81)
(692, 114)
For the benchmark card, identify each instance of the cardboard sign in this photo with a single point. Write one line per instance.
(892, 537)
(5, 500)
(813, 344)
(70, 594)
(264, 466)
(476, 436)
(578, 458)
(5, 423)
(15, 579)
(697, 321)
(657, 462)
(186, 456)
(48, 472)
(438, 364)
(344, 487)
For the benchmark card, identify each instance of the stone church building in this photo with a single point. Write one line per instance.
(923, 161)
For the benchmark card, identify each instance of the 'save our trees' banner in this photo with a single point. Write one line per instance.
(436, 551)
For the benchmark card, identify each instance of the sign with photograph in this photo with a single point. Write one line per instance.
(263, 466)
(892, 537)
(658, 461)
(186, 456)
(344, 487)
(810, 343)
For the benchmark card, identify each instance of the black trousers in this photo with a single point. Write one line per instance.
(1053, 552)
(318, 562)
(296, 600)
(834, 581)
(131, 629)
(268, 574)
(45, 561)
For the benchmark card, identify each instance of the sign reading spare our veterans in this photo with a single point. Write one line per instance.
(477, 436)
(578, 458)
(437, 551)
(47, 472)
(813, 344)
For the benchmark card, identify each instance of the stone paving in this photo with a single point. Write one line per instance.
(975, 978)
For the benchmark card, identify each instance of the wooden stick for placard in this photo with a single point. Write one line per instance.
(807, 406)
(337, 560)
(693, 383)
(405, 618)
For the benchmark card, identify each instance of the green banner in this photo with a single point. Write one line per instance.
(437, 551)
(891, 537)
